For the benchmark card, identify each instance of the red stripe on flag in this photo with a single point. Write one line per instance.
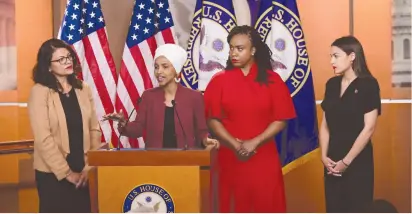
(129, 84)
(101, 34)
(80, 74)
(97, 76)
(152, 45)
(168, 36)
(138, 59)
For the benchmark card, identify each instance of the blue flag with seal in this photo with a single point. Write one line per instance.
(207, 47)
(279, 25)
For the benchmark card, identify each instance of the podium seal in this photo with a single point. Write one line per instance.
(148, 198)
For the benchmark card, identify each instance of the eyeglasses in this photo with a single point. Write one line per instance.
(63, 60)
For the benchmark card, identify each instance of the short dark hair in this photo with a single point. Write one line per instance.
(349, 44)
(263, 54)
(41, 73)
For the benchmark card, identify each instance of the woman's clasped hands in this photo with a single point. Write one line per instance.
(246, 148)
(78, 179)
(334, 168)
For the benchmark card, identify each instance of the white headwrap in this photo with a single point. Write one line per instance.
(174, 53)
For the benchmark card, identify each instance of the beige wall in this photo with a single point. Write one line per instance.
(392, 140)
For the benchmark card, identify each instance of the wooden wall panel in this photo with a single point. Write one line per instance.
(323, 21)
(29, 39)
(373, 27)
(9, 118)
(33, 27)
(9, 200)
(382, 153)
(400, 129)
(8, 96)
(9, 165)
(28, 200)
(14, 124)
(14, 121)
(17, 186)
(24, 129)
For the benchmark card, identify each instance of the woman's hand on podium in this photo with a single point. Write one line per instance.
(210, 143)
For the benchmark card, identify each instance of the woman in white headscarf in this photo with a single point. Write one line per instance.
(171, 116)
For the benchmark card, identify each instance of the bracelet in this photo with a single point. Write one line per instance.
(344, 163)
(70, 172)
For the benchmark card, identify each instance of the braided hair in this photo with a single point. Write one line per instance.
(263, 54)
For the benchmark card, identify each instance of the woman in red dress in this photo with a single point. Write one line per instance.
(246, 106)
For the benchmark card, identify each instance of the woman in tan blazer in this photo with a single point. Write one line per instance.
(65, 127)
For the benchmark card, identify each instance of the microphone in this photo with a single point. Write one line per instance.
(180, 123)
(127, 121)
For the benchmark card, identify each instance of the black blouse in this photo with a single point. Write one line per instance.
(345, 115)
(169, 134)
(75, 130)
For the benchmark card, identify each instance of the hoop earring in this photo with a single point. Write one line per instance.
(177, 79)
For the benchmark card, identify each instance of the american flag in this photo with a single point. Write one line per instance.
(151, 26)
(84, 28)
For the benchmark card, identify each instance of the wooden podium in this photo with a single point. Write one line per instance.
(171, 180)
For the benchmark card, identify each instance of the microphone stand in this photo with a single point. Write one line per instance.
(127, 121)
(180, 123)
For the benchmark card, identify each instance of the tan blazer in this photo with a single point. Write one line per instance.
(48, 123)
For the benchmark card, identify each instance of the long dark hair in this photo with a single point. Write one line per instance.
(349, 44)
(263, 54)
(41, 73)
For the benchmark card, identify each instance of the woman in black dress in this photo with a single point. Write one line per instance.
(351, 107)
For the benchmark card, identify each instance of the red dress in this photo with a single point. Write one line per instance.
(245, 109)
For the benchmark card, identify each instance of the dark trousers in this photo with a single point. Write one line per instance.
(61, 196)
